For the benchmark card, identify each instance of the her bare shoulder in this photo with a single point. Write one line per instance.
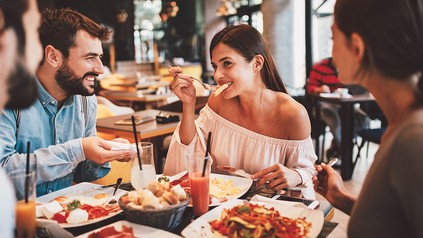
(295, 115)
(213, 102)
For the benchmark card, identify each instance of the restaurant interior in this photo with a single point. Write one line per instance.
(149, 36)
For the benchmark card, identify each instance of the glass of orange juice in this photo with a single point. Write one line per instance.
(199, 182)
(25, 206)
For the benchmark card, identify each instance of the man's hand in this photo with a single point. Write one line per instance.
(99, 151)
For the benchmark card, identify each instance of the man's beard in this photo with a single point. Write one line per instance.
(71, 83)
(23, 89)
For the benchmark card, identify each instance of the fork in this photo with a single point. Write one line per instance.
(205, 85)
(113, 200)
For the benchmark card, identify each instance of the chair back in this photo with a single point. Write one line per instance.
(114, 109)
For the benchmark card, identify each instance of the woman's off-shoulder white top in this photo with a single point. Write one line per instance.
(239, 147)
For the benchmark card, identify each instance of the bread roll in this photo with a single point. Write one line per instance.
(133, 196)
(151, 201)
(179, 192)
(170, 198)
(156, 188)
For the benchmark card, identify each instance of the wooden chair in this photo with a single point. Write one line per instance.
(369, 135)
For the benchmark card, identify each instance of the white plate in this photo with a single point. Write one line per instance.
(81, 188)
(334, 95)
(201, 227)
(242, 183)
(139, 230)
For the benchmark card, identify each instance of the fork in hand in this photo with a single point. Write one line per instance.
(205, 85)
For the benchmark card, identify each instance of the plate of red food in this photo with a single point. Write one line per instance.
(79, 205)
(128, 230)
(239, 218)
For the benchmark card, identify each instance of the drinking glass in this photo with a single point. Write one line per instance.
(141, 178)
(199, 183)
(25, 209)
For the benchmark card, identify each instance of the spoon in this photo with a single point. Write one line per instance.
(113, 200)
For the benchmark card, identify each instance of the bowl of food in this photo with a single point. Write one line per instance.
(158, 205)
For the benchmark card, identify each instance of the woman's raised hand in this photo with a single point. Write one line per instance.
(182, 85)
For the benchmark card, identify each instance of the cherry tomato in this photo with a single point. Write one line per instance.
(59, 218)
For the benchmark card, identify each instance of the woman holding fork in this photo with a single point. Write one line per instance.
(255, 124)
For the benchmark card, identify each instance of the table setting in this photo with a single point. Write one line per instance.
(193, 203)
(188, 224)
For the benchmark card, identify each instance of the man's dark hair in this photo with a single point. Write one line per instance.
(59, 27)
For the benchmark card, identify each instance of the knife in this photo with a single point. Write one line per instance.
(234, 171)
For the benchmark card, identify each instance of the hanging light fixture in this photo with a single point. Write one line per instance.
(170, 9)
(225, 8)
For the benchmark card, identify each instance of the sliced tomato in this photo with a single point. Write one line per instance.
(60, 218)
(86, 207)
(96, 212)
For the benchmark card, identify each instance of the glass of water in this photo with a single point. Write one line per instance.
(140, 178)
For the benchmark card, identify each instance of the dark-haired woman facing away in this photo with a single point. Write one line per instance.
(255, 124)
(379, 44)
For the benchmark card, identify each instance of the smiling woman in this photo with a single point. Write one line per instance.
(248, 116)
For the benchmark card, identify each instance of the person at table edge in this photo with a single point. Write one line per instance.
(61, 123)
(379, 45)
(255, 124)
(19, 22)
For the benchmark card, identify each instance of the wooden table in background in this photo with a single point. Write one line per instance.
(346, 114)
(138, 101)
(151, 130)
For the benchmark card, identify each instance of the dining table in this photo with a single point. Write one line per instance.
(332, 218)
(346, 113)
(139, 99)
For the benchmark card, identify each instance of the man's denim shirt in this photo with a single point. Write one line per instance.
(55, 136)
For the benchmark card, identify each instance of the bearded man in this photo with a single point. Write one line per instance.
(60, 125)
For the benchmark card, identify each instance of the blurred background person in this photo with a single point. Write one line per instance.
(20, 53)
(379, 45)
(324, 79)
